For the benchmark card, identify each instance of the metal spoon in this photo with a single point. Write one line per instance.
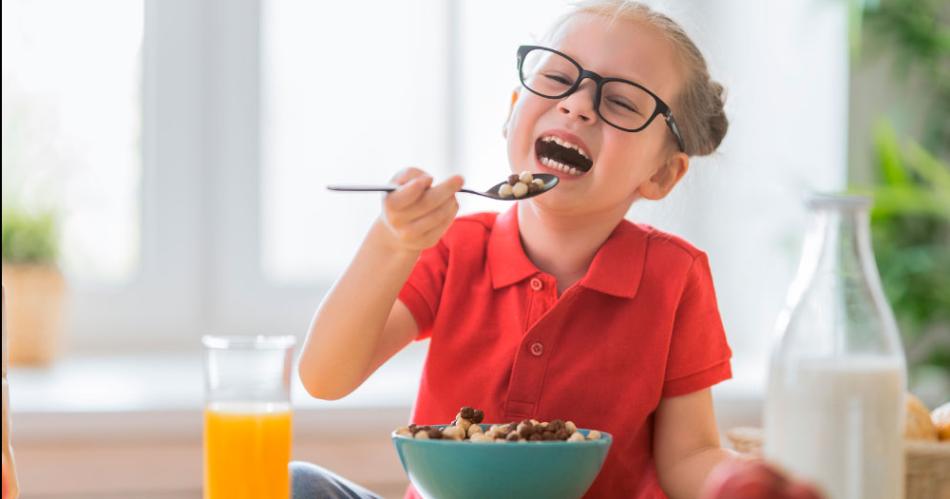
(549, 182)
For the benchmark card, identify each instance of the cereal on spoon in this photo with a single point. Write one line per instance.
(518, 186)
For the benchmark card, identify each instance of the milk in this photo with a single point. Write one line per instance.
(839, 423)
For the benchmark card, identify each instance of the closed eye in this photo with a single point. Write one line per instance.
(558, 78)
(624, 104)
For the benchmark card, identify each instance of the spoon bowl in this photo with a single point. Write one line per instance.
(550, 181)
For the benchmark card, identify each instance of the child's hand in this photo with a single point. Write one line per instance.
(418, 213)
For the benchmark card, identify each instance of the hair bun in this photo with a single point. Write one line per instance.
(716, 122)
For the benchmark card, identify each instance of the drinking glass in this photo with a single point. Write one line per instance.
(247, 417)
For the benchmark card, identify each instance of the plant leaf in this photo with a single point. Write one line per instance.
(907, 200)
(889, 155)
(928, 167)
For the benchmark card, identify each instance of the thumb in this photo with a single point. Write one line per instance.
(406, 175)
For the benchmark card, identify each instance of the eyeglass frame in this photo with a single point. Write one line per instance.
(662, 109)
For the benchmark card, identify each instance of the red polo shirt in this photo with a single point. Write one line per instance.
(641, 325)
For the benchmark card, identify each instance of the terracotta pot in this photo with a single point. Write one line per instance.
(34, 312)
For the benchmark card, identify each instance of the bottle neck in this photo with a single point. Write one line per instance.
(837, 298)
(840, 244)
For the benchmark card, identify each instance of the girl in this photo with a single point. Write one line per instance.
(558, 308)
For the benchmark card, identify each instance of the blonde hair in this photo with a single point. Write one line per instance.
(698, 108)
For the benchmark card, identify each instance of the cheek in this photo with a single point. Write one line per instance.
(655, 138)
(624, 164)
(620, 153)
(631, 152)
(522, 125)
(531, 110)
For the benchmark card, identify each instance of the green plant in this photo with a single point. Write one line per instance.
(916, 33)
(29, 237)
(910, 225)
(910, 221)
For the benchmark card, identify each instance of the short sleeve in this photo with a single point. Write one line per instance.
(699, 353)
(422, 291)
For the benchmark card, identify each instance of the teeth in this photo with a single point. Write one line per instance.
(563, 143)
(557, 165)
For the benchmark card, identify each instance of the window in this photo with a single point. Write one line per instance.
(72, 126)
(194, 140)
(349, 106)
(99, 122)
(418, 83)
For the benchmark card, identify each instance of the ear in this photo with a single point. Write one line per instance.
(514, 98)
(666, 177)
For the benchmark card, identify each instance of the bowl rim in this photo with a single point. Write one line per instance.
(605, 439)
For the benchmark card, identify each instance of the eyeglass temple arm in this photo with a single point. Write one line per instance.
(668, 116)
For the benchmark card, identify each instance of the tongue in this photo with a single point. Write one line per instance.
(561, 154)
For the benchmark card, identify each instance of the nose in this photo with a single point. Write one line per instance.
(580, 104)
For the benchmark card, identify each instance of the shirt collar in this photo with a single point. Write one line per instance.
(507, 261)
(618, 265)
(616, 269)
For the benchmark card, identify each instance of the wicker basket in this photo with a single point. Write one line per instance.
(927, 466)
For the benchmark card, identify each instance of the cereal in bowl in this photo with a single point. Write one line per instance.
(466, 426)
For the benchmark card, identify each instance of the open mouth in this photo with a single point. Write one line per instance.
(559, 154)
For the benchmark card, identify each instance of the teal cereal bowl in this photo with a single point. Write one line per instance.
(451, 469)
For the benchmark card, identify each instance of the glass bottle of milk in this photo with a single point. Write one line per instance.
(835, 402)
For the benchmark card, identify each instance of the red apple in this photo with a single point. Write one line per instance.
(737, 479)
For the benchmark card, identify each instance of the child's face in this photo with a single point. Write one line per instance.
(623, 162)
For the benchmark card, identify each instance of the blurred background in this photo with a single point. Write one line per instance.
(164, 165)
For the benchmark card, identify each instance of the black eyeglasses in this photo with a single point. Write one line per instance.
(622, 104)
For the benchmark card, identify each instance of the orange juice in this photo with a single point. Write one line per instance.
(247, 450)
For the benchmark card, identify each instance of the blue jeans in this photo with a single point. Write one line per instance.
(309, 481)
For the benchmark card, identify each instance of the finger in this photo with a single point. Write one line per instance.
(406, 175)
(408, 193)
(436, 232)
(435, 196)
(434, 218)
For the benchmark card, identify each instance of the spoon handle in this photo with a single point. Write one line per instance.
(378, 188)
(363, 188)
